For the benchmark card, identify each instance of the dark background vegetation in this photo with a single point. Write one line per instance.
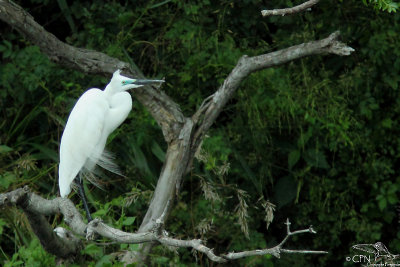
(318, 137)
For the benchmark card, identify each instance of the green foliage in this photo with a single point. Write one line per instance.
(317, 137)
(388, 6)
(33, 255)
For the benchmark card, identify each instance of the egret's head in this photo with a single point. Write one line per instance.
(120, 83)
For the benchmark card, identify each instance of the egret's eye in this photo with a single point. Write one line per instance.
(123, 82)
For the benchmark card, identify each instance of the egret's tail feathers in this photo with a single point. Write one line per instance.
(74, 187)
(106, 161)
(93, 173)
(92, 177)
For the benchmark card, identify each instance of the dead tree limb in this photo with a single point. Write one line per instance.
(246, 65)
(289, 11)
(35, 208)
(63, 244)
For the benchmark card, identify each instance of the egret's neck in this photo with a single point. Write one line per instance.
(109, 91)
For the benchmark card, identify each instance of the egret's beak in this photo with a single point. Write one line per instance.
(144, 82)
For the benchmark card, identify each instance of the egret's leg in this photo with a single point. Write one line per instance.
(82, 195)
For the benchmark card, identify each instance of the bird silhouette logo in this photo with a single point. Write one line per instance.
(378, 249)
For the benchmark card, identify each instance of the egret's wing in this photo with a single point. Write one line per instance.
(82, 136)
(120, 106)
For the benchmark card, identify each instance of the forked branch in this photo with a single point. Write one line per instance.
(35, 206)
(278, 249)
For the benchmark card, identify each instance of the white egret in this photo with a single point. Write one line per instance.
(96, 114)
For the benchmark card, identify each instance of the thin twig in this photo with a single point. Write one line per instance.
(204, 105)
(277, 250)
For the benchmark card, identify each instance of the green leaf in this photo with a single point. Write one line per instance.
(67, 14)
(2, 223)
(160, 4)
(316, 158)
(5, 149)
(157, 151)
(161, 260)
(140, 162)
(129, 221)
(293, 158)
(392, 199)
(382, 203)
(285, 191)
(46, 152)
(92, 250)
(134, 247)
(248, 172)
(6, 179)
(100, 213)
(387, 123)
(105, 261)
(16, 263)
(304, 137)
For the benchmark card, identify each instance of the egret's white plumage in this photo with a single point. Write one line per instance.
(96, 114)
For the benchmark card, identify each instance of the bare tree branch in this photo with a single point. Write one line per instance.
(172, 172)
(35, 207)
(277, 250)
(63, 245)
(165, 111)
(289, 11)
(211, 108)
